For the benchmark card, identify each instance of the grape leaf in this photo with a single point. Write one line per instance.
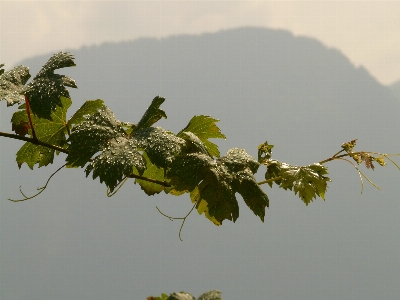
(22, 128)
(119, 155)
(217, 181)
(153, 172)
(213, 181)
(264, 152)
(88, 108)
(238, 161)
(349, 146)
(45, 89)
(160, 145)
(193, 143)
(119, 158)
(12, 84)
(380, 160)
(92, 136)
(51, 132)
(163, 297)
(306, 181)
(202, 206)
(152, 114)
(204, 128)
(273, 171)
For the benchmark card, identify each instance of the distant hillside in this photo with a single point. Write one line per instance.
(395, 88)
(263, 84)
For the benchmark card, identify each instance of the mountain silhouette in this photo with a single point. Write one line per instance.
(269, 79)
(395, 88)
(264, 85)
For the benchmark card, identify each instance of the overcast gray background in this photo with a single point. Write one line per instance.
(73, 242)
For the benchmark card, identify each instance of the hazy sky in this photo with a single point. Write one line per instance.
(367, 32)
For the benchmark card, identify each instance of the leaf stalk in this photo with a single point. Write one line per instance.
(28, 111)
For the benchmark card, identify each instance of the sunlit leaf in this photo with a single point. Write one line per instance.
(349, 146)
(204, 128)
(193, 143)
(51, 132)
(213, 183)
(119, 158)
(152, 172)
(264, 152)
(88, 108)
(12, 84)
(160, 145)
(22, 128)
(102, 132)
(202, 206)
(92, 135)
(380, 160)
(306, 181)
(45, 89)
(152, 114)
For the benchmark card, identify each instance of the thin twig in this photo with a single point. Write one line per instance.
(41, 189)
(176, 218)
(360, 174)
(387, 156)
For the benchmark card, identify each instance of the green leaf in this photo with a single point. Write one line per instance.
(152, 114)
(213, 183)
(188, 170)
(349, 146)
(202, 206)
(163, 297)
(380, 160)
(51, 132)
(152, 172)
(238, 159)
(92, 136)
(243, 166)
(193, 143)
(46, 87)
(306, 181)
(273, 171)
(12, 84)
(120, 158)
(204, 128)
(160, 145)
(119, 155)
(88, 108)
(264, 152)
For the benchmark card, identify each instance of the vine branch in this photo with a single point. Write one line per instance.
(33, 141)
(163, 183)
(57, 148)
(269, 180)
